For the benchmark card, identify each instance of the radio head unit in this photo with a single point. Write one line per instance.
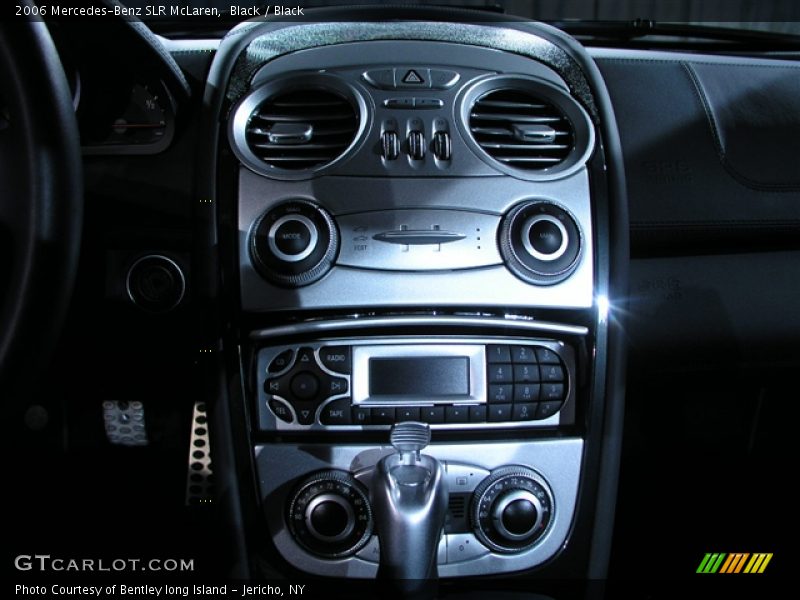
(448, 382)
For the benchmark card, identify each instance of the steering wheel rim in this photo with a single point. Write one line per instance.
(41, 202)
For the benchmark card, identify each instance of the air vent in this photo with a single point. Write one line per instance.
(457, 506)
(302, 129)
(521, 130)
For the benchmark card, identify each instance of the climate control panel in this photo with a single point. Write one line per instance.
(329, 514)
(510, 505)
(297, 242)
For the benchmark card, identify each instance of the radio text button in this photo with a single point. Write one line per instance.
(336, 413)
(336, 358)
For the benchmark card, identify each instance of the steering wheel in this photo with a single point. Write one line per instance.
(41, 203)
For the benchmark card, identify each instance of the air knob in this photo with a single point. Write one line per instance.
(511, 509)
(294, 243)
(540, 242)
(329, 514)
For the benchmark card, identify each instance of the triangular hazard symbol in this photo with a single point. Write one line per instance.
(412, 77)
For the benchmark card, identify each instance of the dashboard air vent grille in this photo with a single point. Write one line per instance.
(302, 129)
(457, 506)
(521, 130)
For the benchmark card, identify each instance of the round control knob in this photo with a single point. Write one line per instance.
(511, 509)
(292, 238)
(540, 242)
(155, 283)
(545, 237)
(516, 514)
(294, 243)
(329, 514)
(330, 518)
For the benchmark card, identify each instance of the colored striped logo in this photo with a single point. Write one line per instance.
(737, 562)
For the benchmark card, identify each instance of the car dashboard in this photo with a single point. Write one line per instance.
(323, 250)
(417, 242)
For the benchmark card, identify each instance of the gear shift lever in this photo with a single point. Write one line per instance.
(409, 501)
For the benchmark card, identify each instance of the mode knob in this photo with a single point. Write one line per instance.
(294, 244)
(540, 242)
(511, 509)
(329, 514)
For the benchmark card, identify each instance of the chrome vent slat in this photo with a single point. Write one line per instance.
(525, 146)
(499, 131)
(508, 104)
(331, 120)
(316, 103)
(318, 132)
(300, 147)
(311, 159)
(514, 118)
(283, 118)
(506, 123)
(529, 159)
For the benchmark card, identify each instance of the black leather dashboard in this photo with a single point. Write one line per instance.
(711, 148)
(712, 157)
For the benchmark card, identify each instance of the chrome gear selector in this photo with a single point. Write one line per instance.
(409, 499)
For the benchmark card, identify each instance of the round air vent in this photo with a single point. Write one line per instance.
(292, 128)
(521, 130)
(527, 126)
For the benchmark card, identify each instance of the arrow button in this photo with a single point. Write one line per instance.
(276, 387)
(305, 412)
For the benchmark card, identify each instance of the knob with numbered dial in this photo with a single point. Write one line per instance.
(512, 509)
(329, 515)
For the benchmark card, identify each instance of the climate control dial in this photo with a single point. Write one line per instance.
(540, 242)
(329, 514)
(294, 244)
(511, 509)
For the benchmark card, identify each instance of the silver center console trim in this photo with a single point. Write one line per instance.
(485, 198)
(419, 240)
(472, 322)
(461, 554)
(272, 44)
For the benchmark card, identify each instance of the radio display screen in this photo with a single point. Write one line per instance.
(420, 376)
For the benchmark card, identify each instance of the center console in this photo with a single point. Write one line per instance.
(423, 217)
(511, 503)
